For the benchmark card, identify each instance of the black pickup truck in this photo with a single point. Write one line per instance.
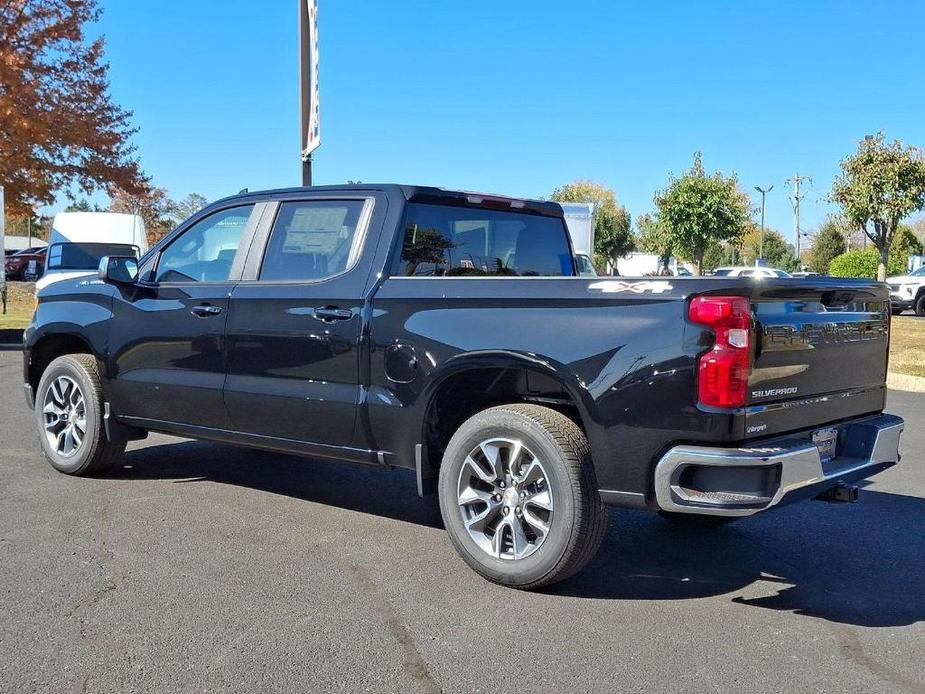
(449, 333)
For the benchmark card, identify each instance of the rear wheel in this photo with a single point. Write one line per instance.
(518, 496)
(69, 414)
(920, 304)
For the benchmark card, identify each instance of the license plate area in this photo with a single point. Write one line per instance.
(826, 442)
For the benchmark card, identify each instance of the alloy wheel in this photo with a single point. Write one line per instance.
(65, 416)
(505, 499)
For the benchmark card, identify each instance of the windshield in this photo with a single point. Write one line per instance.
(85, 256)
(918, 273)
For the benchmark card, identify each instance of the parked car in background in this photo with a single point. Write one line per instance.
(17, 264)
(585, 266)
(908, 292)
(805, 273)
(448, 333)
(751, 271)
(80, 239)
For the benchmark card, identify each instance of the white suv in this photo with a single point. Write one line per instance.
(908, 291)
(749, 271)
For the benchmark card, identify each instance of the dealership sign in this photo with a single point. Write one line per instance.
(308, 41)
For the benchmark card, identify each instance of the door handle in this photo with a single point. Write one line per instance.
(329, 314)
(205, 310)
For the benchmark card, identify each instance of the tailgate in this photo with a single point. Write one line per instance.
(820, 354)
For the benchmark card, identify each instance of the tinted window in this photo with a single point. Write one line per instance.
(312, 240)
(453, 241)
(205, 251)
(85, 256)
(585, 267)
(722, 272)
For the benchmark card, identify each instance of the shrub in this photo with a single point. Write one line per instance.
(863, 263)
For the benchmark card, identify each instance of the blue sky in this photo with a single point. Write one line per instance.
(518, 97)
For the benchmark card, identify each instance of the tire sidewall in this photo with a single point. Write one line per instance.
(66, 366)
(919, 307)
(499, 423)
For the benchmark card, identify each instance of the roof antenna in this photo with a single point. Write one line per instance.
(242, 191)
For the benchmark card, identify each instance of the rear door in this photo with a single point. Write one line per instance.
(295, 321)
(167, 337)
(820, 354)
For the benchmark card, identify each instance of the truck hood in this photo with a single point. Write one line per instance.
(53, 276)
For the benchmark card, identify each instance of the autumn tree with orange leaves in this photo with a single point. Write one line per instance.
(59, 129)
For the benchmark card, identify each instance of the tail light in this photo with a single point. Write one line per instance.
(722, 379)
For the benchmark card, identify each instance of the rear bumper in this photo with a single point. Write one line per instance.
(744, 481)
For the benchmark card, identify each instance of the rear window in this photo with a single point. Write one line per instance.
(441, 240)
(85, 256)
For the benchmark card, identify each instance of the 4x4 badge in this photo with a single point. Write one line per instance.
(614, 286)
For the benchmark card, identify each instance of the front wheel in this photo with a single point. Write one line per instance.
(519, 498)
(69, 414)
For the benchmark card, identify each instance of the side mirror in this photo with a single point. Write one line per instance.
(118, 269)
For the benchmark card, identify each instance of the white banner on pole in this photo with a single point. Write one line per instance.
(311, 128)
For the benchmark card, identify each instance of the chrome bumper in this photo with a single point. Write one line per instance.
(744, 481)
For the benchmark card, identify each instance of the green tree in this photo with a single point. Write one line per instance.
(613, 236)
(828, 243)
(905, 243)
(715, 256)
(697, 209)
(777, 252)
(879, 186)
(865, 263)
(654, 238)
(81, 205)
(187, 207)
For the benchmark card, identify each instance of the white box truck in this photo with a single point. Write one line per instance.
(80, 239)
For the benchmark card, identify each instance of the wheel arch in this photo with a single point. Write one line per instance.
(49, 347)
(474, 381)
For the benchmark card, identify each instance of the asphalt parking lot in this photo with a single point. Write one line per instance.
(200, 567)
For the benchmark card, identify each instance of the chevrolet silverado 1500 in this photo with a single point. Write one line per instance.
(450, 333)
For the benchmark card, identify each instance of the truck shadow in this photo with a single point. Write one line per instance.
(861, 564)
(366, 489)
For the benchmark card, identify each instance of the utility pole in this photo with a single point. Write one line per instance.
(795, 199)
(763, 191)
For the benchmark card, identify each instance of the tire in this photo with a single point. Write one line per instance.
(896, 311)
(695, 521)
(59, 407)
(920, 305)
(552, 484)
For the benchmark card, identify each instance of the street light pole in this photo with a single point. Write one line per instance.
(763, 192)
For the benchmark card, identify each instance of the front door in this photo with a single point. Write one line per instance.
(294, 324)
(167, 340)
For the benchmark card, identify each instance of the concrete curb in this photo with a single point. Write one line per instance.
(913, 384)
(11, 336)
